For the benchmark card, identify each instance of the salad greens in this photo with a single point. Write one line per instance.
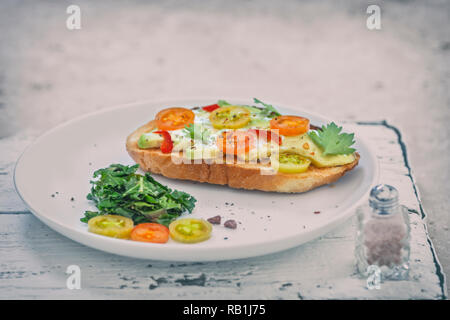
(121, 191)
(331, 141)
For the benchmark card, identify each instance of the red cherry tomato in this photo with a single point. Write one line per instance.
(174, 118)
(290, 125)
(236, 142)
(150, 232)
(270, 135)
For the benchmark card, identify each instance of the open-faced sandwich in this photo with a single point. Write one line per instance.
(243, 146)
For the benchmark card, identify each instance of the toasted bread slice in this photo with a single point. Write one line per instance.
(237, 175)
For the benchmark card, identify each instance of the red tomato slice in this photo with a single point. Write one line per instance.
(236, 142)
(211, 108)
(269, 135)
(290, 125)
(174, 118)
(150, 232)
(167, 144)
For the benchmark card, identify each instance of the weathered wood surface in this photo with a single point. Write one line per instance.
(34, 258)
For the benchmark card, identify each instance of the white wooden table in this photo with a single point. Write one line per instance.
(34, 258)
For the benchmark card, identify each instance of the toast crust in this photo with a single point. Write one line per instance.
(235, 175)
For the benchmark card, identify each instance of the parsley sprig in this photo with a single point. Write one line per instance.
(332, 141)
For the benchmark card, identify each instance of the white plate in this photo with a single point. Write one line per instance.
(61, 163)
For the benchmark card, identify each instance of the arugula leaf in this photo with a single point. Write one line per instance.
(269, 110)
(331, 141)
(166, 219)
(222, 103)
(197, 132)
(119, 190)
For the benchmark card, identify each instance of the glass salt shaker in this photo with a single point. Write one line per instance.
(382, 238)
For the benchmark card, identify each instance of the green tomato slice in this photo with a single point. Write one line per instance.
(111, 226)
(190, 230)
(292, 163)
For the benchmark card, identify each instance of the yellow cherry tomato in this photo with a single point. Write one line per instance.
(190, 230)
(230, 117)
(111, 226)
(291, 163)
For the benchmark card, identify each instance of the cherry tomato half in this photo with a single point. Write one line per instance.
(236, 142)
(150, 232)
(267, 135)
(230, 117)
(290, 125)
(174, 118)
(111, 226)
(190, 230)
(291, 163)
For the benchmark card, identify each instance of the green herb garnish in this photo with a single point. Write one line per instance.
(269, 110)
(120, 190)
(222, 103)
(197, 132)
(331, 141)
